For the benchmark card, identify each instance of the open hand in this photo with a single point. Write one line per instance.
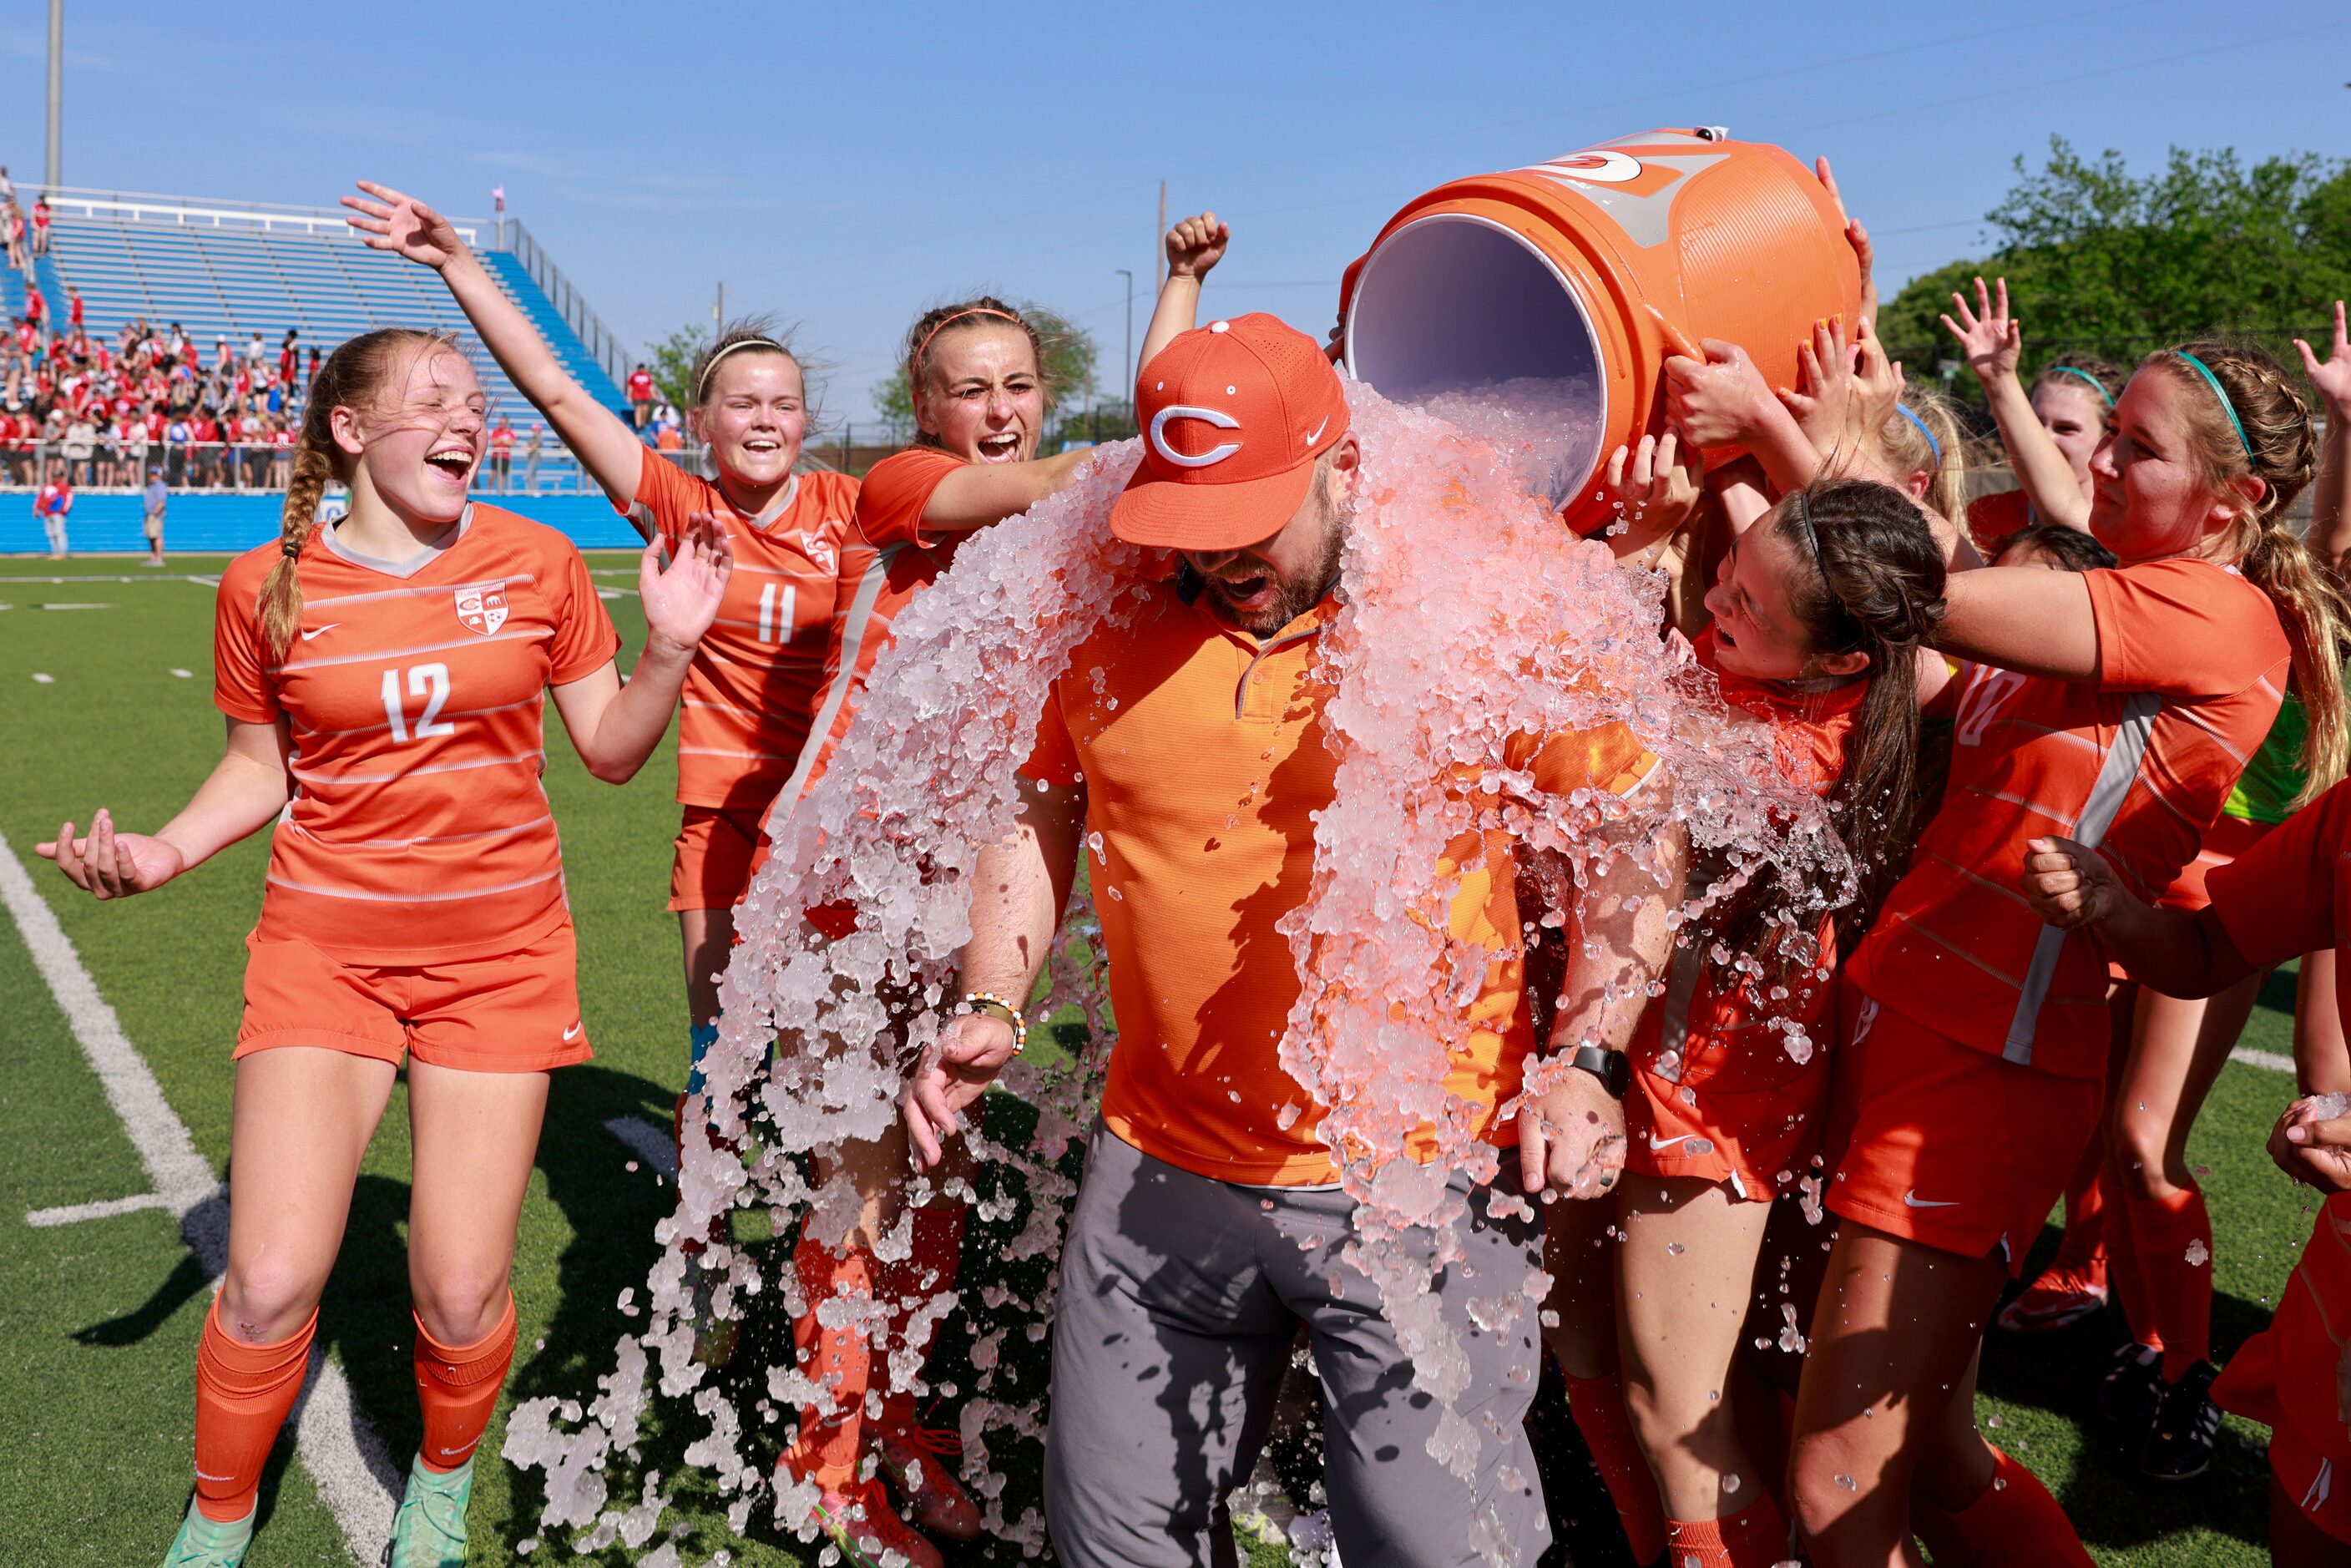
(1657, 483)
(109, 864)
(405, 225)
(2333, 379)
(2069, 887)
(1990, 337)
(952, 1075)
(1197, 245)
(682, 601)
(1572, 1138)
(1719, 401)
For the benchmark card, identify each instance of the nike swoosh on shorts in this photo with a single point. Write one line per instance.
(1914, 1201)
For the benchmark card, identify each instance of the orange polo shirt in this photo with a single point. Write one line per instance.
(1202, 751)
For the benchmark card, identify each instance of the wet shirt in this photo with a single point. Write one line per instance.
(1203, 754)
(2191, 667)
(414, 694)
(1705, 1029)
(752, 690)
(889, 559)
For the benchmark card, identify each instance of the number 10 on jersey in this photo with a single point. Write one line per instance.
(430, 682)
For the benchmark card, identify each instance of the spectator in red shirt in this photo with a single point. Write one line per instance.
(290, 360)
(501, 455)
(54, 500)
(73, 308)
(40, 226)
(641, 396)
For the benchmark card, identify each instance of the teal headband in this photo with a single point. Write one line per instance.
(1933, 445)
(2095, 384)
(2222, 393)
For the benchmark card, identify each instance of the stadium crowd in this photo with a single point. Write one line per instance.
(2078, 745)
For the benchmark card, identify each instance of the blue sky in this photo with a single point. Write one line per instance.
(847, 165)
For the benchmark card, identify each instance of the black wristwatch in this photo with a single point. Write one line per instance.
(1615, 1073)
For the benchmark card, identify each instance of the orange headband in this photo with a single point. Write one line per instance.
(915, 366)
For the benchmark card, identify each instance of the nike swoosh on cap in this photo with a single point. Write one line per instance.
(1914, 1201)
(1318, 430)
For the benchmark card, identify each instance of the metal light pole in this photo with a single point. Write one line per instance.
(1126, 359)
(56, 83)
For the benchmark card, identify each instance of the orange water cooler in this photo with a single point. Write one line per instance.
(1553, 271)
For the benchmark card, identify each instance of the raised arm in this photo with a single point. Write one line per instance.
(2330, 519)
(1019, 890)
(1993, 341)
(614, 727)
(247, 787)
(1194, 247)
(2170, 950)
(2020, 618)
(597, 437)
(980, 494)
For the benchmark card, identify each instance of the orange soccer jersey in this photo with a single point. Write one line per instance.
(1202, 752)
(2191, 668)
(1718, 1092)
(890, 561)
(752, 689)
(412, 695)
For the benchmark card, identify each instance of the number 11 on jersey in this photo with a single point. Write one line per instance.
(430, 682)
(776, 612)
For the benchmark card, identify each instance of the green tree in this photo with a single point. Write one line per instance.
(2102, 261)
(1070, 357)
(672, 364)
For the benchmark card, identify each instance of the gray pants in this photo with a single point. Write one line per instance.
(1180, 1297)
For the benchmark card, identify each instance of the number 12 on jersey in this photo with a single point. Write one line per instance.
(430, 682)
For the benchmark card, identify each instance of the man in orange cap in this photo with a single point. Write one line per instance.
(1184, 747)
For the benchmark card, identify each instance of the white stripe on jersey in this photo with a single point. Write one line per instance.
(412, 897)
(425, 838)
(445, 714)
(537, 756)
(373, 595)
(468, 641)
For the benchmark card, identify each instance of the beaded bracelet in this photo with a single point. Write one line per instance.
(990, 1005)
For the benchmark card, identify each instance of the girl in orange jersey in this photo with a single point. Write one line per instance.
(2117, 706)
(386, 673)
(2049, 430)
(976, 372)
(1813, 627)
(753, 687)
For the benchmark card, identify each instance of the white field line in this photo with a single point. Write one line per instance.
(648, 1141)
(2269, 1059)
(106, 1208)
(338, 1445)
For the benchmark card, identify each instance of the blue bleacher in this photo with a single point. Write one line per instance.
(12, 292)
(231, 282)
(52, 285)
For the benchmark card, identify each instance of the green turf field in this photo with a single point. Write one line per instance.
(102, 1316)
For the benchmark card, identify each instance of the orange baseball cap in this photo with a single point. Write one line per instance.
(1233, 416)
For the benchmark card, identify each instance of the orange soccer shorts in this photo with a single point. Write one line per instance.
(514, 1012)
(718, 849)
(1944, 1145)
(1759, 1137)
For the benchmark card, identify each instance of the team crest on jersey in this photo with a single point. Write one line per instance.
(821, 556)
(482, 607)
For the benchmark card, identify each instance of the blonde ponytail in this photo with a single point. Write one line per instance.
(2265, 428)
(353, 376)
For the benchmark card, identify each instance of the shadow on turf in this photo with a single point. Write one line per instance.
(2111, 1505)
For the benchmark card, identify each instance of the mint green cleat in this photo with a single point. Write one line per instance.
(431, 1530)
(208, 1543)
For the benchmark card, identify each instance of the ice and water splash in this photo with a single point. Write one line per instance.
(1472, 620)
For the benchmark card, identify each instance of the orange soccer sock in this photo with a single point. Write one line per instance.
(929, 1270)
(2013, 1523)
(1598, 1405)
(1754, 1537)
(243, 1393)
(2123, 1277)
(836, 1357)
(2173, 1237)
(2083, 1247)
(458, 1387)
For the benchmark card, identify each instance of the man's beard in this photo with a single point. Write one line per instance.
(1291, 599)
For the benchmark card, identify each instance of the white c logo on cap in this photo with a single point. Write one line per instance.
(1214, 416)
